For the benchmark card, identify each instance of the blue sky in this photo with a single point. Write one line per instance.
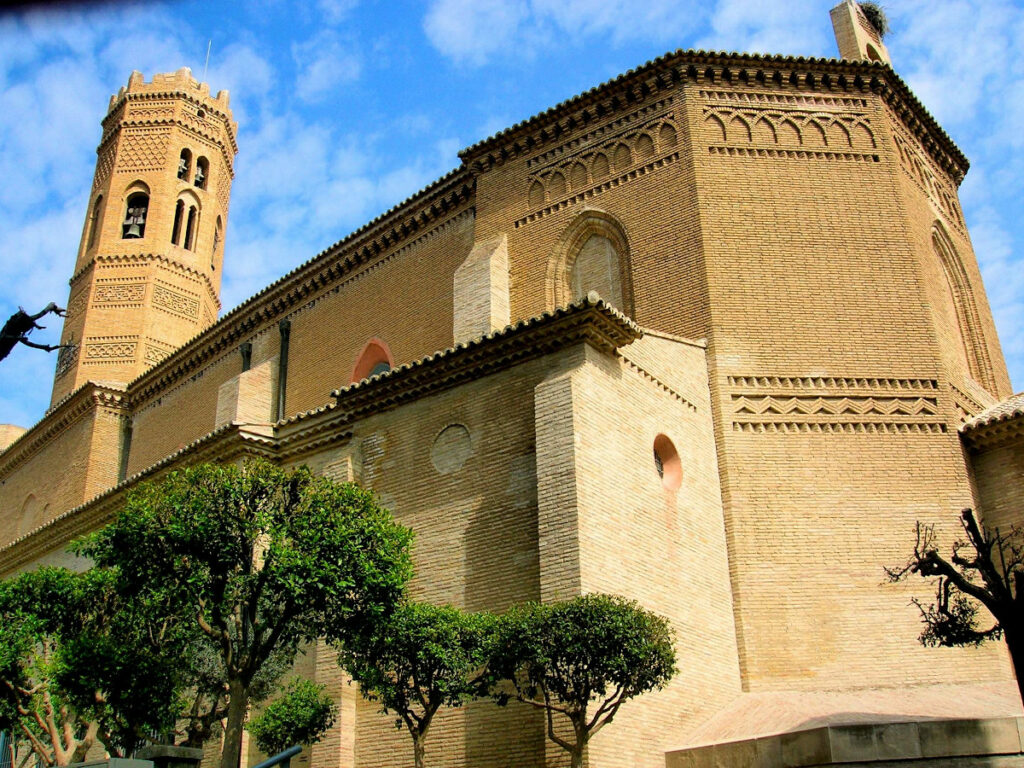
(346, 107)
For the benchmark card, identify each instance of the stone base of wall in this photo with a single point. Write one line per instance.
(975, 743)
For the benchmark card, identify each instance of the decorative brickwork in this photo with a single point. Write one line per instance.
(710, 335)
(146, 286)
(119, 293)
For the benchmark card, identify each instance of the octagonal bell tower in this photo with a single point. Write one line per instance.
(147, 276)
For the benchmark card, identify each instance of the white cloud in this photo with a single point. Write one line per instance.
(335, 11)
(768, 26)
(324, 63)
(472, 30)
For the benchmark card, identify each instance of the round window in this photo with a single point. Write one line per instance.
(666, 463)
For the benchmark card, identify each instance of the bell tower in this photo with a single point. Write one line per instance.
(147, 276)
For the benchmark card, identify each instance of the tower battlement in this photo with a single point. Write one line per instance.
(181, 79)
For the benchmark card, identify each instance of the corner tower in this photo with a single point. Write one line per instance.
(147, 276)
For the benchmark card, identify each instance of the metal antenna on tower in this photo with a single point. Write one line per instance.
(207, 64)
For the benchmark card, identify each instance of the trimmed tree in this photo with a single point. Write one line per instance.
(986, 569)
(580, 660)
(422, 658)
(302, 715)
(261, 559)
(71, 670)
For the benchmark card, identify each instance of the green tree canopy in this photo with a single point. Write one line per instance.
(302, 715)
(72, 670)
(261, 559)
(580, 659)
(422, 658)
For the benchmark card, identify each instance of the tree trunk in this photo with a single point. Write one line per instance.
(576, 756)
(238, 705)
(1015, 643)
(419, 750)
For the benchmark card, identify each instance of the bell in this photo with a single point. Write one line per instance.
(133, 231)
(200, 176)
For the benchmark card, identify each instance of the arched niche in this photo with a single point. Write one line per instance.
(961, 296)
(136, 211)
(374, 358)
(592, 255)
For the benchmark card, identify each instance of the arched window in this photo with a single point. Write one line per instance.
(965, 318)
(375, 358)
(597, 268)
(136, 209)
(592, 255)
(191, 228)
(94, 221)
(179, 214)
(31, 515)
(184, 164)
(202, 172)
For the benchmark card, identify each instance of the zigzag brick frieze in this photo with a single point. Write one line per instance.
(783, 400)
(834, 406)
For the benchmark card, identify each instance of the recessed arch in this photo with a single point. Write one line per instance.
(202, 173)
(31, 515)
(961, 295)
(184, 164)
(591, 255)
(136, 211)
(374, 358)
(94, 221)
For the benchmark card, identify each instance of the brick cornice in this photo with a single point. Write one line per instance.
(995, 434)
(114, 118)
(665, 73)
(225, 444)
(87, 399)
(590, 320)
(443, 201)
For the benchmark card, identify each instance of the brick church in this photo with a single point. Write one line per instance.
(711, 335)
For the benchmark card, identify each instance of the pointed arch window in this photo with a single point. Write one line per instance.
(375, 358)
(136, 210)
(94, 221)
(202, 172)
(967, 319)
(592, 255)
(191, 228)
(179, 214)
(184, 164)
